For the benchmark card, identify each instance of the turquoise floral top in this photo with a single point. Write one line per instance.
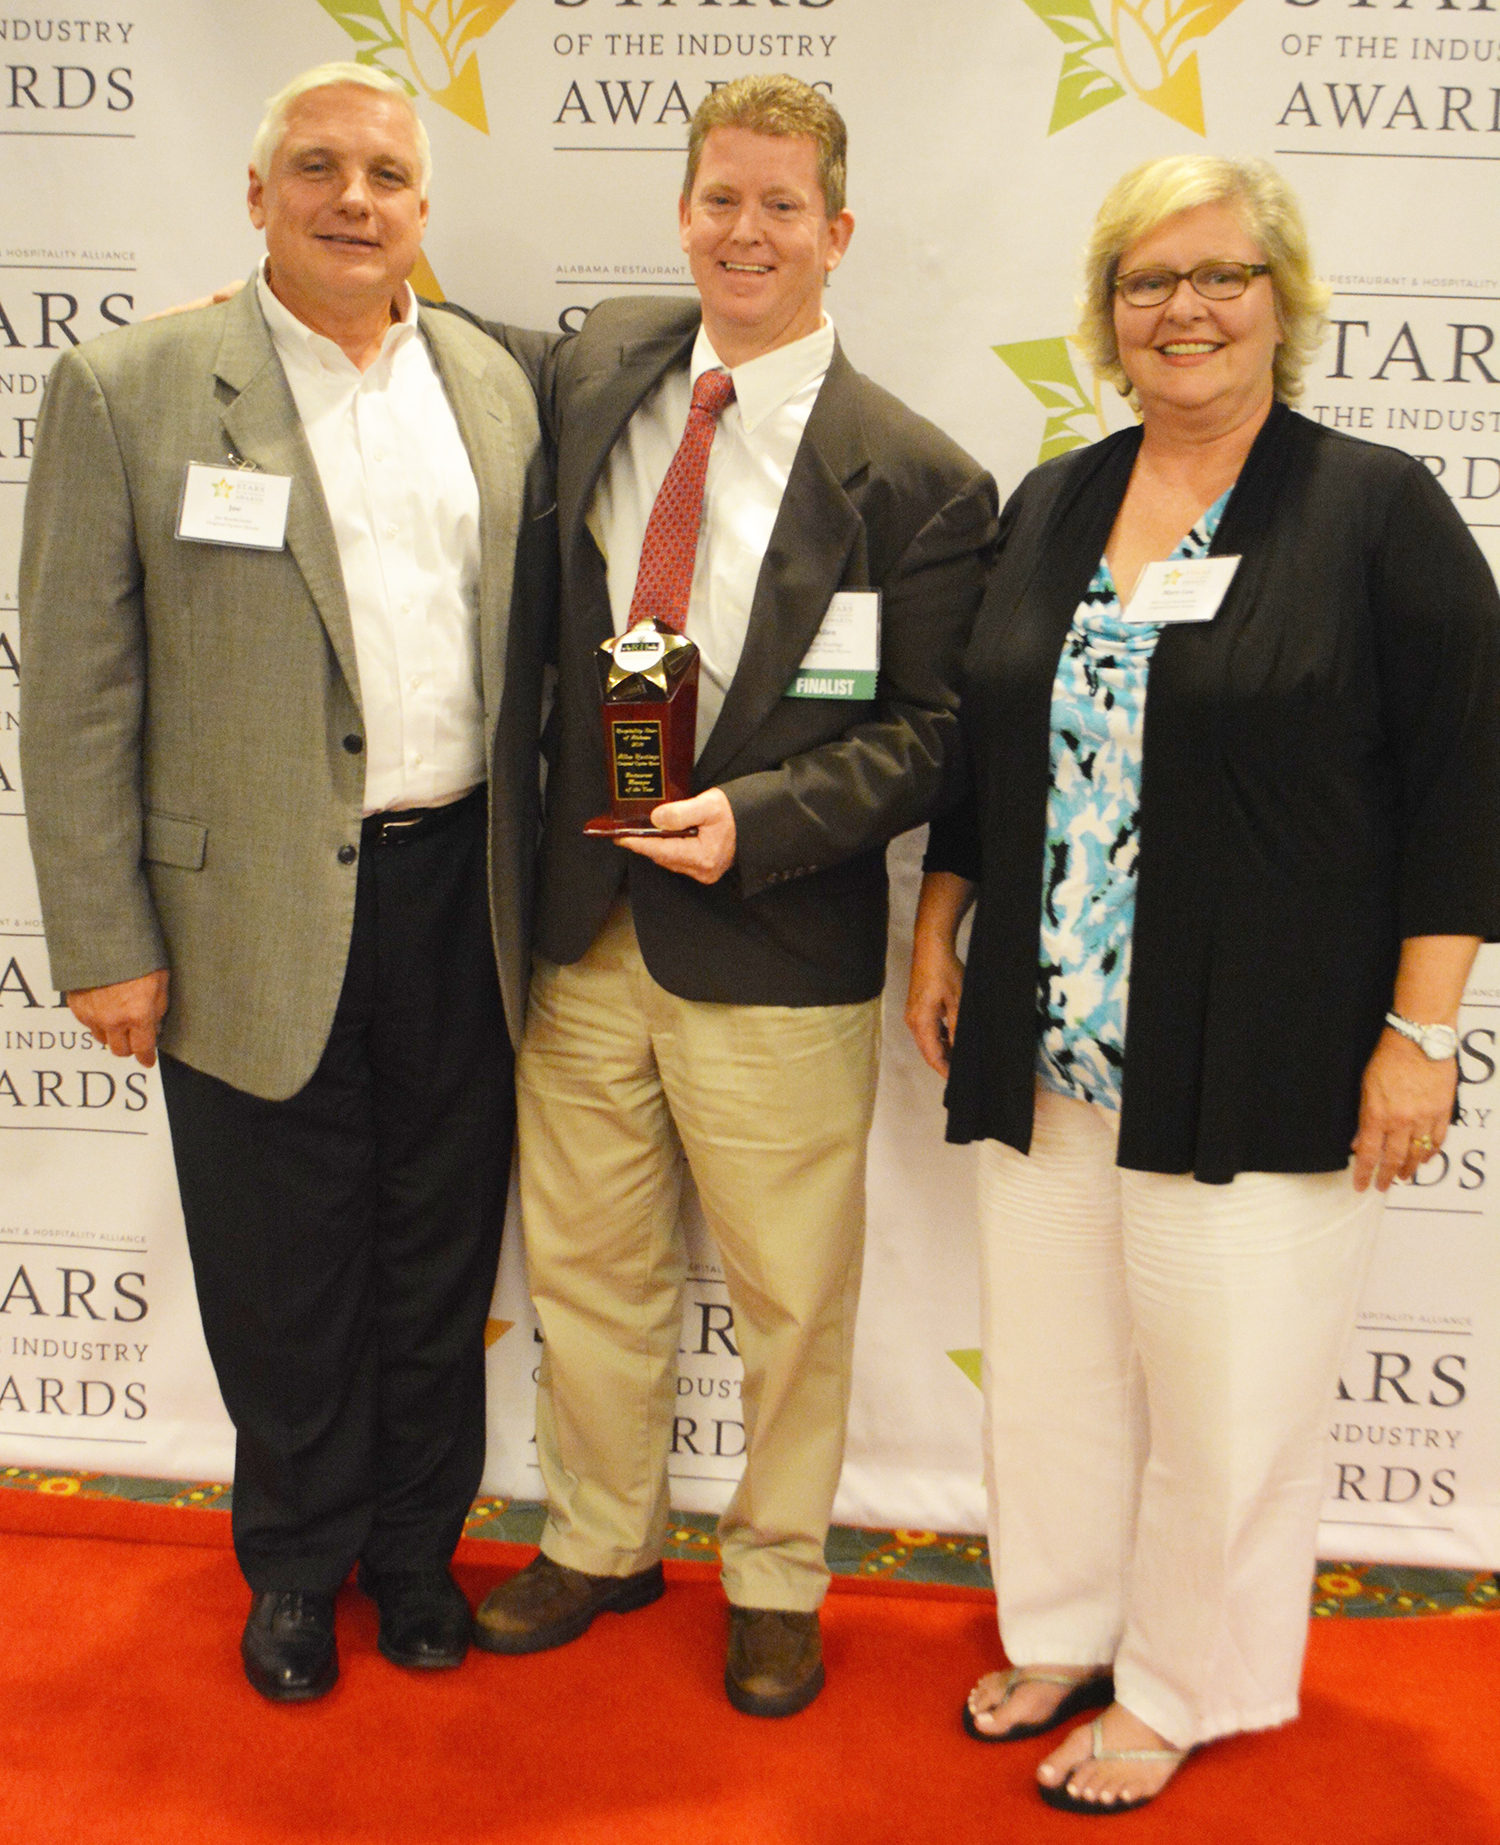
(1093, 836)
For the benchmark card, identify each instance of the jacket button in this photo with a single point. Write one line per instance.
(354, 744)
(348, 854)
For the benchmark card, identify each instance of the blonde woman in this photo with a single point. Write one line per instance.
(1284, 863)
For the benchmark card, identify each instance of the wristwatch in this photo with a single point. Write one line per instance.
(1439, 1042)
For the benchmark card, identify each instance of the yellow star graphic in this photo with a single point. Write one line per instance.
(223, 488)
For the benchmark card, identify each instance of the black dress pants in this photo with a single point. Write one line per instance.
(344, 1241)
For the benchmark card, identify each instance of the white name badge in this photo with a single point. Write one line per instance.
(844, 659)
(234, 506)
(1183, 589)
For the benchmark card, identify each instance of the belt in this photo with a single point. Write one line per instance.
(400, 826)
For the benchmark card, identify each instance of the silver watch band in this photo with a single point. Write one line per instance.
(1437, 1042)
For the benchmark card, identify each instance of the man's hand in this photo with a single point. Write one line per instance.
(225, 293)
(707, 856)
(124, 1016)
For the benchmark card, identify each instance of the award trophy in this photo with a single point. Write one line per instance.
(649, 707)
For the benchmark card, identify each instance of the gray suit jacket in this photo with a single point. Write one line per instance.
(191, 730)
(878, 498)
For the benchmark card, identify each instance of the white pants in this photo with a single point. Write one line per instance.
(1160, 1358)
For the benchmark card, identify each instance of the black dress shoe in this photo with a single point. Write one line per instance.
(288, 1646)
(424, 1619)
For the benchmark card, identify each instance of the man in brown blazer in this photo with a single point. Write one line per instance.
(713, 1000)
(284, 589)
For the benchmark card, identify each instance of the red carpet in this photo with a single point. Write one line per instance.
(124, 1720)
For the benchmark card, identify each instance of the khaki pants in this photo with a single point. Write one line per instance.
(618, 1083)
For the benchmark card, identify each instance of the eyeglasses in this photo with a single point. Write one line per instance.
(1209, 281)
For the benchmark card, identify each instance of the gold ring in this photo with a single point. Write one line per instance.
(1423, 1143)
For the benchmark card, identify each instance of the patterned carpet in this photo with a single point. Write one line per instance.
(955, 1559)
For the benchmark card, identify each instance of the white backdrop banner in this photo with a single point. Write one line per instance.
(983, 133)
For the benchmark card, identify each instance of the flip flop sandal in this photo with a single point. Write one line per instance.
(1066, 1801)
(1083, 1694)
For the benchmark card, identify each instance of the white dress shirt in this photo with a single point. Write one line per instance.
(748, 467)
(405, 511)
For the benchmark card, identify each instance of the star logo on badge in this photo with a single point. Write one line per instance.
(223, 488)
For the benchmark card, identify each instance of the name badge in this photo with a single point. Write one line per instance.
(1182, 589)
(844, 659)
(234, 506)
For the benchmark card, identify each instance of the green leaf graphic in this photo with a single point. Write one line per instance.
(1073, 21)
(1081, 89)
(361, 19)
(1046, 368)
(367, 25)
(968, 1363)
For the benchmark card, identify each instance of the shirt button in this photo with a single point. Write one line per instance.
(348, 854)
(354, 744)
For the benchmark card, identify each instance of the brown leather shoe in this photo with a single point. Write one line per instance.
(546, 1605)
(775, 1665)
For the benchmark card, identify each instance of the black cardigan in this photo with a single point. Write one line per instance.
(1320, 779)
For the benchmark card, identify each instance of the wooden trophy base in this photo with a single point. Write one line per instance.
(612, 826)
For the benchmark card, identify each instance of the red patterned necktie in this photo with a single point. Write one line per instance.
(665, 578)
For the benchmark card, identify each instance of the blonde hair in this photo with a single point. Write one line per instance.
(268, 137)
(771, 105)
(1161, 189)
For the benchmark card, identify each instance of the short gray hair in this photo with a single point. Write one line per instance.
(1161, 189)
(268, 136)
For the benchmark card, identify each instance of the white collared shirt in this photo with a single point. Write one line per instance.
(748, 467)
(405, 511)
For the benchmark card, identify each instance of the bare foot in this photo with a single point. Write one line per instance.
(1130, 1765)
(1024, 1700)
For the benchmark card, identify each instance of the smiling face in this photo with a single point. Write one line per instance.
(341, 205)
(1209, 360)
(759, 240)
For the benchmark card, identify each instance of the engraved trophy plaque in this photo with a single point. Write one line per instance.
(649, 709)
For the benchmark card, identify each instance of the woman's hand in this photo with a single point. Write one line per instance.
(937, 974)
(1406, 1100)
(1406, 1104)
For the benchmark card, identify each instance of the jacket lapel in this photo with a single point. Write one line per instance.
(485, 424)
(1193, 658)
(811, 555)
(1078, 529)
(263, 427)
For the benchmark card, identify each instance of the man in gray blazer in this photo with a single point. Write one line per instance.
(714, 998)
(284, 585)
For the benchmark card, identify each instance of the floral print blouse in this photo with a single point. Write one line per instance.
(1093, 836)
